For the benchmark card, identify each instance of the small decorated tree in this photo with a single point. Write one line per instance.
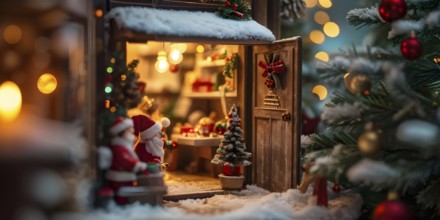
(231, 152)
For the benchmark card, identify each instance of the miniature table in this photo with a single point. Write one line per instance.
(206, 148)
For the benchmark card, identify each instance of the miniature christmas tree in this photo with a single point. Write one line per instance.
(231, 152)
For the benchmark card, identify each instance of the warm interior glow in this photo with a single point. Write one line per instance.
(311, 3)
(99, 13)
(162, 64)
(200, 49)
(325, 3)
(321, 17)
(331, 29)
(12, 34)
(322, 56)
(10, 104)
(175, 57)
(317, 37)
(320, 91)
(181, 47)
(47, 83)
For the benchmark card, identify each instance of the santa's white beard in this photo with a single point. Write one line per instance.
(154, 146)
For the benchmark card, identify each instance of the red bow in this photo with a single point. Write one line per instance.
(276, 67)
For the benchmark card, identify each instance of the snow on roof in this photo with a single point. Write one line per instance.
(187, 24)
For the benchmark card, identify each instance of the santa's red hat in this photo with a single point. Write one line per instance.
(146, 128)
(120, 124)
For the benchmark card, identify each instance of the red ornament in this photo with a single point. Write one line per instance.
(391, 10)
(234, 6)
(229, 128)
(229, 115)
(174, 68)
(231, 170)
(392, 210)
(336, 188)
(227, 3)
(411, 48)
(309, 125)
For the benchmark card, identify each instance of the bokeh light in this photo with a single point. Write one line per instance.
(311, 3)
(322, 56)
(47, 83)
(321, 17)
(325, 3)
(12, 34)
(331, 29)
(317, 37)
(11, 101)
(320, 91)
(200, 49)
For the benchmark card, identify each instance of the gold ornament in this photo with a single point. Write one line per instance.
(369, 141)
(357, 83)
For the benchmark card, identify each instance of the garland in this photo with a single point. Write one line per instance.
(236, 10)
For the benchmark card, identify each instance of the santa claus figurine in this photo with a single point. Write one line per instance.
(150, 146)
(125, 163)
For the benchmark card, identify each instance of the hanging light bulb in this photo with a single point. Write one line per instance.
(175, 56)
(162, 64)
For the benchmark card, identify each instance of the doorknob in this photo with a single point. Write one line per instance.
(286, 116)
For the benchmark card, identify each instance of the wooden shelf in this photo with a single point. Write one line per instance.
(197, 141)
(208, 95)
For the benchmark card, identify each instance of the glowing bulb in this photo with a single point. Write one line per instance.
(10, 105)
(99, 13)
(176, 56)
(320, 91)
(200, 49)
(108, 88)
(109, 70)
(317, 37)
(331, 29)
(322, 56)
(12, 34)
(162, 64)
(325, 3)
(47, 83)
(311, 3)
(321, 17)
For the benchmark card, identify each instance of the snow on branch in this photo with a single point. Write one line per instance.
(404, 27)
(433, 19)
(306, 141)
(363, 66)
(372, 172)
(345, 111)
(365, 16)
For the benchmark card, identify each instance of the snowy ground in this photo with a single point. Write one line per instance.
(252, 203)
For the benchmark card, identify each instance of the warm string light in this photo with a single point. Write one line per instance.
(320, 91)
(11, 101)
(317, 37)
(323, 56)
(331, 29)
(162, 64)
(47, 83)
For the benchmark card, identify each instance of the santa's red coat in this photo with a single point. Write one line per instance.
(145, 156)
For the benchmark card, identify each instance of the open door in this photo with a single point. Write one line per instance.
(276, 115)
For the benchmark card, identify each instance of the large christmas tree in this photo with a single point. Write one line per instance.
(384, 121)
(231, 151)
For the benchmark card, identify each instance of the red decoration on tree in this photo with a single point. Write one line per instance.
(227, 3)
(411, 47)
(272, 67)
(234, 6)
(392, 210)
(336, 188)
(391, 10)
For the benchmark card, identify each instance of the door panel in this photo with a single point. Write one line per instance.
(276, 138)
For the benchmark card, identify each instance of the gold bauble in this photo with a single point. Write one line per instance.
(357, 83)
(369, 142)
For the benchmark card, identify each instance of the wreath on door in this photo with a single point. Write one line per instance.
(273, 66)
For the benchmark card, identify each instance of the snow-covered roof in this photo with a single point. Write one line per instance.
(187, 24)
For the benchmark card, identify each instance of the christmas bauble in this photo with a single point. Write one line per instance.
(369, 142)
(411, 48)
(357, 84)
(336, 188)
(391, 10)
(392, 210)
(174, 68)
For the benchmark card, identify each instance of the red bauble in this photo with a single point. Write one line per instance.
(392, 210)
(411, 48)
(174, 68)
(229, 115)
(227, 3)
(336, 188)
(234, 6)
(391, 10)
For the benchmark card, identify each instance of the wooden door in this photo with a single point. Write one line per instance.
(276, 117)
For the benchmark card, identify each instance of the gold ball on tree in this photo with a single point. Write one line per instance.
(369, 142)
(357, 83)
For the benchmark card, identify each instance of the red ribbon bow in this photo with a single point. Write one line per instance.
(276, 67)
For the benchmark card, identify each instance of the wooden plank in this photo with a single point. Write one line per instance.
(262, 149)
(197, 141)
(195, 195)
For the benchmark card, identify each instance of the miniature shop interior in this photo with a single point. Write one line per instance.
(187, 83)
